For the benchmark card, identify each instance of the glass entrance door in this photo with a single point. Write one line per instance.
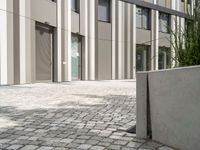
(76, 57)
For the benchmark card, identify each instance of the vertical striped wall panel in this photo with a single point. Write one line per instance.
(17, 38)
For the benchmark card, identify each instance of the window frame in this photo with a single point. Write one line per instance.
(168, 23)
(147, 49)
(142, 16)
(109, 17)
(77, 10)
(168, 53)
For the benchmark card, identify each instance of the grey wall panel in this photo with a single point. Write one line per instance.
(83, 67)
(55, 56)
(29, 32)
(105, 60)
(16, 43)
(33, 52)
(126, 39)
(104, 31)
(181, 6)
(164, 39)
(96, 57)
(104, 54)
(116, 40)
(75, 22)
(83, 16)
(10, 50)
(44, 11)
(143, 37)
(149, 1)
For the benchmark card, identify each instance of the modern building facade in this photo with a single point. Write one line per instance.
(65, 40)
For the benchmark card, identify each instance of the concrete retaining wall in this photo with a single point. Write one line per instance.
(174, 107)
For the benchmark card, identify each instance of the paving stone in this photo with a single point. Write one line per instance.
(3, 146)
(84, 137)
(118, 142)
(79, 141)
(29, 147)
(115, 137)
(14, 147)
(92, 142)
(45, 148)
(66, 140)
(97, 148)
(105, 144)
(114, 147)
(165, 148)
(3, 141)
(134, 144)
(23, 137)
(73, 145)
(60, 148)
(129, 148)
(151, 145)
(84, 146)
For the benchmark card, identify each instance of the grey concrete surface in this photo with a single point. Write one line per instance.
(174, 106)
(175, 103)
(75, 115)
(141, 102)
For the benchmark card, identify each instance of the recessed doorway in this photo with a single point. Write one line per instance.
(44, 51)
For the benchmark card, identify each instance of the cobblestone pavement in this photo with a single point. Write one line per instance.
(75, 115)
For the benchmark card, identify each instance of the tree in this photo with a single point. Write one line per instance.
(186, 42)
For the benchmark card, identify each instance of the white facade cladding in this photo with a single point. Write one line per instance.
(109, 35)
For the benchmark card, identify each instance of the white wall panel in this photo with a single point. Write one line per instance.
(91, 39)
(3, 46)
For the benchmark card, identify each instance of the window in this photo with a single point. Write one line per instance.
(75, 5)
(104, 10)
(142, 19)
(164, 23)
(188, 1)
(143, 58)
(76, 57)
(164, 58)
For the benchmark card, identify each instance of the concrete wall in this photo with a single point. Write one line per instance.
(174, 102)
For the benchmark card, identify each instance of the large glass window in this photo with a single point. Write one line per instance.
(143, 58)
(164, 23)
(164, 58)
(104, 10)
(142, 18)
(76, 57)
(188, 1)
(75, 5)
